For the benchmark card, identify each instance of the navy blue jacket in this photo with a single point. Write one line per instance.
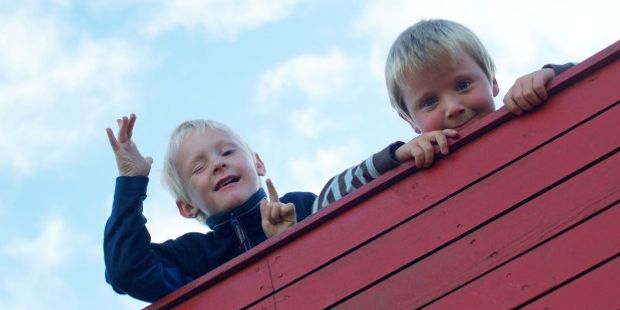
(149, 271)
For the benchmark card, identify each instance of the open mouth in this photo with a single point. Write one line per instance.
(226, 181)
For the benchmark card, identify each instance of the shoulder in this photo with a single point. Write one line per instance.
(301, 197)
(303, 202)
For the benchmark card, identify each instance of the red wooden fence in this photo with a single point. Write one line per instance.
(524, 212)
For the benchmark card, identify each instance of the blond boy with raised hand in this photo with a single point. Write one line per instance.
(440, 79)
(215, 177)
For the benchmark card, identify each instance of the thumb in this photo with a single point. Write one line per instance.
(149, 160)
(288, 211)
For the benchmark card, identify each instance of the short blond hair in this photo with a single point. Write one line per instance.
(171, 176)
(427, 45)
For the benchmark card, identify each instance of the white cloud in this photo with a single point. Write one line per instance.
(30, 290)
(312, 172)
(53, 247)
(219, 18)
(308, 122)
(315, 76)
(55, 85)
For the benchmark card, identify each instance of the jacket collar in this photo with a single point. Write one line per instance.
(216, 220)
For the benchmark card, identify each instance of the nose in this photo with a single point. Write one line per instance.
(218, 166)
(454, 107)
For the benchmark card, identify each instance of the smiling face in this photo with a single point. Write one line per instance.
(453, 96)
(218, 172)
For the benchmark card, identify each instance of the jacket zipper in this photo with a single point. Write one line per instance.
(244, 242)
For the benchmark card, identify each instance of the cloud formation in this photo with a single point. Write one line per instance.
(220, 19)
(55, 84)
(315, 77)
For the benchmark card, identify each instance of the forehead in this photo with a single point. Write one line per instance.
(202, 142)
(208, 138)
(433, 76)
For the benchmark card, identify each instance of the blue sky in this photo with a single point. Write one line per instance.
(301, 81)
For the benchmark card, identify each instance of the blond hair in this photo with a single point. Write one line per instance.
(427, 45)
(171, 176)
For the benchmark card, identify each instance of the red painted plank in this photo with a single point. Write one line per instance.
(236, 291)
(296, 259)
(266, 304)
(543, 268)
(597, 289)
(496, 242)
(450, 219)
(585, 68)
(583, 104)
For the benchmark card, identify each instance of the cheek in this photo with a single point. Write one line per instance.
(429, 121)
(484, 103)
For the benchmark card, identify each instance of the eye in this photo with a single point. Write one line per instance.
(228, 152)
(463, 85)
(428, 102)
(198, 168)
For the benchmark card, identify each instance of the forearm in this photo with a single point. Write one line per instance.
(356, 176)
(132, 266)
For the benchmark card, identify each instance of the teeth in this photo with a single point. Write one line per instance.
(226, 182)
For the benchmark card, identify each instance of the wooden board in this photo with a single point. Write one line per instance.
(516, 196)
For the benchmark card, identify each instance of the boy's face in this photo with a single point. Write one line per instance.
(217, 171)
(455, 95)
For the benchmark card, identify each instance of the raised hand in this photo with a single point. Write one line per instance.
(128, 159)
(528, 91)
(276, 217)
(421, 149)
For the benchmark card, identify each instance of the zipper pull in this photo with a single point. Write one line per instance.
(244, 242)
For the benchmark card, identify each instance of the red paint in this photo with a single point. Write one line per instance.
(511, 198)
(598, 289)
(506, 236)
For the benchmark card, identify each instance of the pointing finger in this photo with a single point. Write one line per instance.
(273, 194)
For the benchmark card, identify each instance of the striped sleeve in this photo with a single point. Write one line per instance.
(355, 177)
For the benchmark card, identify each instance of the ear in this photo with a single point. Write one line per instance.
(186, 209)
(495, 87)
(410, 121)
(260, 166)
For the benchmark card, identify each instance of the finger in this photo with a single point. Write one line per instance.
(273, 194)
(517, 95)
(287, 212)
(429, 152)
(112, 139)
(149, 160)
(510, 103)
(132, 121)
(540, 88)
(276, 217)
(442, 142)
(541, 92)
(122, 131)
(452, 133)
(531, 96)
(264, 212)
(418, 155)
(524, 104)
